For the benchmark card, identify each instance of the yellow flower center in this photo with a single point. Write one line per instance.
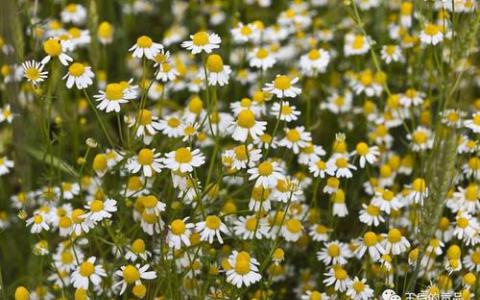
(131, 274)
(77, 215)
(87, 269)
(462, 222)
(419, 185)
(362, 149)
(149, 201)
(38, 219)
(315, 296)
(262, 53)
(282, 82)
(358, 286)
(431, 29)
(241, 152)
(105, 30)
(340, 273)
(138, 246)
(195, 105)
(96, 206)
(251, 224)
(76, 69)
(321, 165)
(341, 163)
(476, 119)
(32, 73)
(183, 155)
(242, 264)
(265, 168)
(173, 122)
(394, 235)
(358, 42)
(65, 222)
(333, 250)
(420, 137)
(213, 222)
(145, 117)
(114, 91)
(476, 257)
(178, 227)
(373, 210)
(145, 156)
(246, 30)
(52, 47)
(67, 257)
(246, 119)
(370, 239)
(294, 226)
(200, 38)
(215, 63)
(314, 54)
(144, 42)
(388, 195)
(293, 135)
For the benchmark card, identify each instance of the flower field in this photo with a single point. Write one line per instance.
(241, 149)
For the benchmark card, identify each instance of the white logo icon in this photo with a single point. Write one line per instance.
(390, 295)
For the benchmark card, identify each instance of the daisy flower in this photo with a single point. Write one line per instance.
(292, 230)
(246, 126)
(5, 165)
(179, 232)
(242, 269)
(131, 274)
(356, 44)
(421, 139)
(338, 277)
(184, 160)
(218, 73)
(359, 290)
(38, 223)
(147, 125)
(474, 123)
(242, 33)
(105, 33)
(171, 126)
(241, 157)
(211, 228)
(87, 272)
(33, 71)
(386, 200)
(310, 153)
(395, 243)
(146, 160)
(99, 210)
(55, 48)
(202, 41)
(472, 259)
(6, 114)
(339, 166)
(391, 53)
(453, 118)
(266, 174)
(251, 227)
(295, 138)
(152, 205)
(337, 103)
(114, 95)
(371, 243)
(287, 112)
(74, 13)
(339, 207)
(431, 34)
(283, 87)
(315, 61)
(145, 47)
(371, 215)
(314, 295)
(137, 250)
(419, 191)
(412, 97)
(80, 75)
(261, 58)
(366, 154)
(334, 253)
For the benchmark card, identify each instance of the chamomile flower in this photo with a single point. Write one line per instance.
(337, 277)
(337, 103)
(251, 227)
(431, 34)
(292, 230)
(5, 165)
(371, 243)
(184, 159)
(286, 111)
(453, 118)
(131, 274)
(79, 75)
(295, 139)
(38, 223)
(339, 166)
(261, 58)
(266, 174)
(202, 42)
(145, 47)
(137, 250)
(33, 71)
(421, 139)
(247, 126)
(395, 243)
(334, 253)
(218, 73)
(314, 62)
(105, 33)
(55, 48)
(147, 125)
(359, 290)
(241, 157)
(356, 44)
(99, 210)
(74, 13)
(312, 294)
(87, 272)
(391, 53)
(412, 97)
(366, 154)
(371, 215)
(152, 205)
(179, 233)
(242, 269)
(243, 33)
(283, 87)
(114, 95)
(474, 123)
(147, 161)
(210, 228)
(386, 200)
